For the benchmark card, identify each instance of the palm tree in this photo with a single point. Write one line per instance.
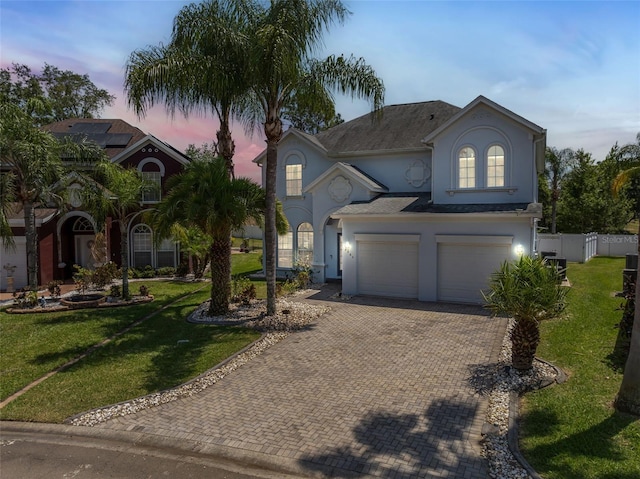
(529, 291)
(245, 59)
(282, 37)
(116, 193)
(203, 195)
(203, 69)
(628, 399)
(33, 161)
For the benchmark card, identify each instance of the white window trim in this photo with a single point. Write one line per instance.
(486, 167)
(475, 167)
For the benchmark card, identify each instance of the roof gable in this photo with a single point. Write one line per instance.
(352, 173)
(161, 145)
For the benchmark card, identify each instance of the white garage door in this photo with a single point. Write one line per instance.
(388, 269)
(464, 269)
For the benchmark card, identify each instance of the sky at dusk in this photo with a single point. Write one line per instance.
(571, 67)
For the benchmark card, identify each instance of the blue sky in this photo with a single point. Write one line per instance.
(571, 67)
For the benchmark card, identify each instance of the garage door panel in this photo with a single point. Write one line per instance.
(388, 269)
(465, 270)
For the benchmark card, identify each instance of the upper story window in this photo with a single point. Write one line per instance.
(466, 168)
(294, 180)
(152, 170)
(495, 166)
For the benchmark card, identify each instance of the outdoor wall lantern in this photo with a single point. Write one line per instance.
(518, 249)
(346, 247)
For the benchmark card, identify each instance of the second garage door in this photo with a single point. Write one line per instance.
(464, 269)
(388, 268)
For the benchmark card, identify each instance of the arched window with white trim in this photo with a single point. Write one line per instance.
(466, 168)
(305, 244)
(495, 166)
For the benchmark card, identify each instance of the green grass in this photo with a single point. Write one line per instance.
(246, 263)
(571, 430)
(143, 360)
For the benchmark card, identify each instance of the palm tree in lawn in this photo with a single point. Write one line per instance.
(628, 399)
(33, 159)
(203, 195)
(204, 69)
(281, 39)
(529, 291)
(116, 193)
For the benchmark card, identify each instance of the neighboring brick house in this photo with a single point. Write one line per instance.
(65, 237)
(424, 203)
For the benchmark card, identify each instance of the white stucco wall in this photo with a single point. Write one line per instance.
(517, 228)
(481, 128)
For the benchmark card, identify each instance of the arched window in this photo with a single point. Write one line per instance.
(142, 246)
(285, 250)
(495, 166)
(305, 244)
(151, 170)
(466, 168)
(82, 225)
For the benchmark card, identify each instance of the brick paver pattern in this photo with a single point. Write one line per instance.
(376, 387)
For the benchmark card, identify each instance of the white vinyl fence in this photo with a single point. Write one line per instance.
(582, 247)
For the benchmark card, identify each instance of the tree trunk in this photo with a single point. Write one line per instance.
(628, 399)
(32, 244)
(273, 132)
(226, 146)
(220, 274)
(124, 259)
(525, 338)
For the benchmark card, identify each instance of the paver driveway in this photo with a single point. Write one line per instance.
(375, 387)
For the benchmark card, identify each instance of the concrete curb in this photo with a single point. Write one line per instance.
(159, 446)
(514, 413)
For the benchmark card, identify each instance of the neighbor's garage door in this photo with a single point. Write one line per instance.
(388, 268)
(464, 269)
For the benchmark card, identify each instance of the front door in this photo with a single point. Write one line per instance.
(83, 244)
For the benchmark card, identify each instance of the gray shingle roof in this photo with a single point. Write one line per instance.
(400, 127)
(393, 203)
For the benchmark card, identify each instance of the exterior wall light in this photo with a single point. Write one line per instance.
(346, 247)
(518, 249)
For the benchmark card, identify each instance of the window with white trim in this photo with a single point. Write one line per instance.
(153, 189)
(305, 244)
(166, 254)
(293, 174)
(466, 168)
(285, 250)
(495, 166)
(142, 246)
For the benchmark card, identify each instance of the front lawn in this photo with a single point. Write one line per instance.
(571, 430)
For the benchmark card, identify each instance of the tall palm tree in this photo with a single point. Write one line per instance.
(529, 291)
(628, 399)
(248, 59)
(204, 69)
(33, 163)
(116, 193)
(203, 195)
(283, 36)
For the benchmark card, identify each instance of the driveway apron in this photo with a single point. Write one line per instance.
(376, 387)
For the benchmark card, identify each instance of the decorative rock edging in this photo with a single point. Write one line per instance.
(282, 324)
(504, 387)
(65, 305)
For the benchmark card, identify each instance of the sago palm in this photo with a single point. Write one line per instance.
(529, 291)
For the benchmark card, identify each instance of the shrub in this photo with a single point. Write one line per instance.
(83, 278)
(105, 274)
(115, 291)
(25, 299)
(166, 271)
(182, 270)
(54, 288)
(242, 290)
(144, 291)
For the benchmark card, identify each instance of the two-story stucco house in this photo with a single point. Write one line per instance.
(425, 203)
